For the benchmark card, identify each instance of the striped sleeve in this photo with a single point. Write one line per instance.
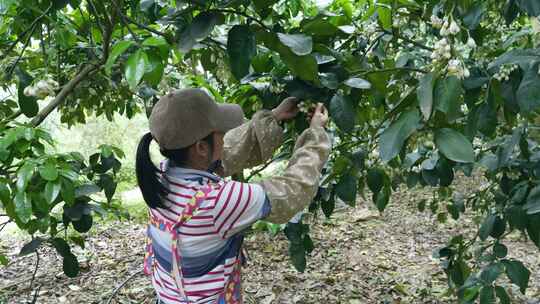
(238, 205)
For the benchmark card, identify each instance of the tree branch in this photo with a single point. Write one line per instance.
(410, 41)
(62, 95)
(122, 285)
(145, 27)
(34, 277)
(236, 12)
(21, 36)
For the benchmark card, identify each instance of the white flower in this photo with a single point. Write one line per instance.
(52, 83)
(42, 85)
(471, 43)
(436, 21)
(466, 73)
(29, 91)
(447, 55)
(454, 28)
(444, 31)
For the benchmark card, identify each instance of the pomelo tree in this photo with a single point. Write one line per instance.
(418, 92)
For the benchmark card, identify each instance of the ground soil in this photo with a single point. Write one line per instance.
(360, 257)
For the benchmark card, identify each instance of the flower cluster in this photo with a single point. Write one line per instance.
(505, 71)
(305, 107)
(41, 89)
(436, 21)
(458, 68)
(450, 28)
(442, 51)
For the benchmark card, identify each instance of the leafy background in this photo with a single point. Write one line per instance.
(419, 92)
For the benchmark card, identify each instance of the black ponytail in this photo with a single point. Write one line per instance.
(148, 175)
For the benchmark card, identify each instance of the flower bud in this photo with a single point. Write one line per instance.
(454, 28)
(471, 43)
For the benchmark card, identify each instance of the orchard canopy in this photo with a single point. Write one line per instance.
(418, 92)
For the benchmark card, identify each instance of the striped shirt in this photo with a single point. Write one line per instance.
(210, 241)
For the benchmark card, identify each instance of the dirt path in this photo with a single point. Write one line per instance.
(360, 257)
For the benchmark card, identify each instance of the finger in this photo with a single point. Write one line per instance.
(292, 100)
(318, 108)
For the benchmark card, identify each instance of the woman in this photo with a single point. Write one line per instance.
(197, 217)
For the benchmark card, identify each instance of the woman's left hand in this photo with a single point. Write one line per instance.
(287, 109)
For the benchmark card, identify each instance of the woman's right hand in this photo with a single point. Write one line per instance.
(319, 118)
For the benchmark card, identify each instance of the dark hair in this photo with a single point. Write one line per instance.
(148, 175)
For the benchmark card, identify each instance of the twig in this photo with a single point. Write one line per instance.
(3, 225)
(231, 11)
(260, 169)
(418, 44)
(94, 12)
(145, 27)
(21, 36)
(62, 95)
(125, 21)
(12, 68)
(122, 285)
(34, 276)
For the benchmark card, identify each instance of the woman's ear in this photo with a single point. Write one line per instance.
(201, 149)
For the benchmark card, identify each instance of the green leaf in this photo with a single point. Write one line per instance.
(499, 250)
(447, 96)
(454, 145)
(3, 260)
(470, 293)
(61, 246)
(23, 206)
(343, 112)
(487, 226)
(70, 265)
(202, 25)
(31, 246)
(68, 191)
(346, 189)
(304, 67)
(136, 68)
(241, 47)
(329, 80)
(24, 174)
(328, 206)
(28, 104)
(531, 7)
(392, 138)
(86, 190)
(382, 198)
(358, 83)
(48, 172)
(155, 69)
(510, 11)
(153, 41)
(502, 295)
(118, 49)
(375, 179)
(299, 44)
(517, 273)
(490, 273)
(52, 189)
(533, 228)
(320, 27)
(487, 295)
(84, 224)
(385, 17)
(425, 94)
(528, 94)
(473, 17)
